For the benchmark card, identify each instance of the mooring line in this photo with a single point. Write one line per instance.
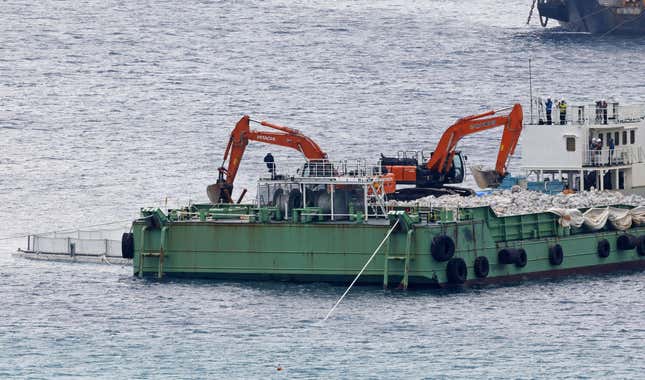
(362, 270)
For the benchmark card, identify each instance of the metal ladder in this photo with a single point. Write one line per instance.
(159, 255)
(406, 262)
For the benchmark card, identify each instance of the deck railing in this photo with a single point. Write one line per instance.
(325, 168)
(613, 157)
(590, 114)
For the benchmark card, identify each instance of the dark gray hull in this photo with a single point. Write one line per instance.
(589, 16)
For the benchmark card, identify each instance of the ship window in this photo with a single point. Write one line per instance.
(616, 138)
(632, 137)
(624, 137)
(608, 137)
(571, 144)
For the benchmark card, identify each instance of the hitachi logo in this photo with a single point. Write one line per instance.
(482, 125)
(266, 138)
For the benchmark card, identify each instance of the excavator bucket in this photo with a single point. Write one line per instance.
(219, 192)
(214, 191)
(485, 178)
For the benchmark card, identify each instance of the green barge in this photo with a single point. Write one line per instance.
(325, 228)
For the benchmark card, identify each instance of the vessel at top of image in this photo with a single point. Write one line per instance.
(595, 16)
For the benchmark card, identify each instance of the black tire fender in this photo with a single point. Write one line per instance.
(127, 245)
(626, 242)
(481, 266)
(603, 247)
(522, 259)
(556, 254)
(442, 248)
(505, 256)
(515, 256)
(640, 246)
(456, 271)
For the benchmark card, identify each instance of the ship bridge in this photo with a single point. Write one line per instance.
(591, 145)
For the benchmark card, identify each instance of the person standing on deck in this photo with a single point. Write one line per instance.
(592, 151)
(598, 152)
(611, 145)
(549, 107)
(562, 105)
(603, 106)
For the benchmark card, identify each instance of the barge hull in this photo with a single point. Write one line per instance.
(336, 251)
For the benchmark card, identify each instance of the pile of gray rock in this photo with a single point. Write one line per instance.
(518, 201)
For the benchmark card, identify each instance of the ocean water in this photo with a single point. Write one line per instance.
(109, 107)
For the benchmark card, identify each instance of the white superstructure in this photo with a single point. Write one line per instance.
(566, 151)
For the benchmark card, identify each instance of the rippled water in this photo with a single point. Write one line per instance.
(105, 108)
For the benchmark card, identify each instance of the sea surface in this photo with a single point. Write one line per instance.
(106, 107)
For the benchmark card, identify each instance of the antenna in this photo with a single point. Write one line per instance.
(531, 90)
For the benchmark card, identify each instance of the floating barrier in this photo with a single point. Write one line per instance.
(95, 245)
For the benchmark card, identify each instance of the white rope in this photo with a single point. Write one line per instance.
(362, 270)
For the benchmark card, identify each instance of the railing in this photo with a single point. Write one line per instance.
(613, 157)
(324, 169)
(591, 114)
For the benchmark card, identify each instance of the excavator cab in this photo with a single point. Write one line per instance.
(407, 170)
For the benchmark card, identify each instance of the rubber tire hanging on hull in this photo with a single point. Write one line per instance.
(640, 247)
(127, 245)
(515, 256)
(603, 248)
(626, 242)
(556, 255)
(456, 271)
(442, 248)
(522, 259)
(481, 267)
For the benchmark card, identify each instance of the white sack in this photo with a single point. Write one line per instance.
(596, 218)
(638, 215)
(620, 218)
(568, 217)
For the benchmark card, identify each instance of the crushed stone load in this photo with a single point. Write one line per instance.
(518, 201)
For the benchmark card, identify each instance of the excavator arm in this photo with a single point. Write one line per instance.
(240, 136)
(442, 157)
(444, 168)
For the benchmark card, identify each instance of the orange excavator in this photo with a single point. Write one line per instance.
(446, 165)
(222, 190)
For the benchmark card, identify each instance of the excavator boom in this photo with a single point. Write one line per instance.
(239, 139)
(444, 153)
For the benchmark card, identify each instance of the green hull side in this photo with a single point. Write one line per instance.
(335, 252)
